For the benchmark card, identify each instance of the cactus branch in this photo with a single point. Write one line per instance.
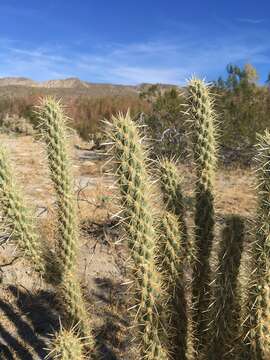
(202, 122)
(133, 181)
(171, 258)
(257, 319)
(19, 217)
(224, 314)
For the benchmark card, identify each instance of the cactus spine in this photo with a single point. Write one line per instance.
(257, 323)
(172, 260)
(17, 215)
(224, 314)
(53, 123)
(135, 193)
(202, 120)
(66, 345)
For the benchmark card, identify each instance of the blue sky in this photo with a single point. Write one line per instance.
(130, 42)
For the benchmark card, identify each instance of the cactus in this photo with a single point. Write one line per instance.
(133, 182)
(171, 186)
(256, 342)
(171, 258)
(224, 314)
(202, 121)
(18, 216)
(53, 123)
(66, 345)
(75, 308)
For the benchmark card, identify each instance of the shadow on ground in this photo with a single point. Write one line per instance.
(113, 334)
(25, 324)
(27, 320)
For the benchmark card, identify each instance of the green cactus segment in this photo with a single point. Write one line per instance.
(202, 122)
(171, 187)
(224, 314)
(135, 192)
(172, 256)
(53, 124)
(75, 307)
(18, 216)
(66, 345)
(257, 324)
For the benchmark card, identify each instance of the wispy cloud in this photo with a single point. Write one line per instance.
(251, 21)
(164, 60)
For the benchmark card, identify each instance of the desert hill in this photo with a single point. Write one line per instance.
(68, 87)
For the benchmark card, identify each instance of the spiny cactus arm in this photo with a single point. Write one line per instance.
(257, 318)
(224, 313)
(203, 124)
(53, 124)
(171, 260)
(71, 293)
(203, 129)
(134, 186)
(66, 345)
(171, 187)
(20, 218)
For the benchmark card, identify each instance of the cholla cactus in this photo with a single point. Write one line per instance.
(74, 306)
(135, 191)
(66, 345)
(171, 258)
(171, 186)
(202, 122)
(224, 314)
(257, 319)
(53, 123)
(17, 215)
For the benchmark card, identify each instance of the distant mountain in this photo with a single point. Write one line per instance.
(17, 81)
(65, 83)
(68, 87)
(69, 83)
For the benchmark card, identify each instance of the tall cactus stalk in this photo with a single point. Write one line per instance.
(18, 216)
(257, 319)
(133, 181)
(53, 125)
(224, 314)
(171, 186)
(202, 122)
(171, 261)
